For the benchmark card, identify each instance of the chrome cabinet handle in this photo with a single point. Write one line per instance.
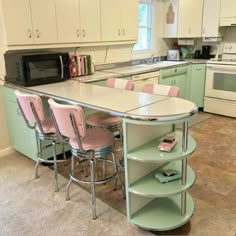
(37, 33)
(83, 32)
(29, 33)
(198, 68)
(18, 111)
(77, 33)
(62, 67)
(123, 32)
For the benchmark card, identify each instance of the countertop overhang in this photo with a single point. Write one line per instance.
(123, 103)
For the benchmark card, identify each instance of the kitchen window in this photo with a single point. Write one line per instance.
(146, 29)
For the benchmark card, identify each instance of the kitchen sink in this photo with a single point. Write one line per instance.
(163, 64)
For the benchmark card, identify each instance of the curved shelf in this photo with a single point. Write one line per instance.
(149, 186)
(149, 152)
(163, 214)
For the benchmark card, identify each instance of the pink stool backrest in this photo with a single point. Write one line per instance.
(166, 90)
(120, 84)
(61, 113)
(24, 101)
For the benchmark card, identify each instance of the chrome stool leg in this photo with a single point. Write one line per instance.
(39, 154)
(115, 170)
(72, 172)
(55, 165)
(93, 189)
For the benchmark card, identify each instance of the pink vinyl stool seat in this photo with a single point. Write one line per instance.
(87, 145)
(106, 120)
(32, 110)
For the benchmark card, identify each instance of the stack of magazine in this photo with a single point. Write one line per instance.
(84, 65)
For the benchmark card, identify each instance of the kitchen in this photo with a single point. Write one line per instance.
(107, 52)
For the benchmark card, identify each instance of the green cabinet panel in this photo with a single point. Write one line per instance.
(98, 82)
(22, 139)
(178, 76)
(197, 84)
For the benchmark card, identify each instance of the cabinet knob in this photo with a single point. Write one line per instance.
(83, 32)
(119, 32)
(176, 70)
(29, 33)
(37, 33)
(77, 33)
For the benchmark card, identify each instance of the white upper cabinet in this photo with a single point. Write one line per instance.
(90, 20)
(190, 18)
(228, 8)
(211, 15)
(18, 26)
(119, 20)
(28, 22)
(228, 12)
(170, 19)
(44, 21)
(78, 20)
(67, 14)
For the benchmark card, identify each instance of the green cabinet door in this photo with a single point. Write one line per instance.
(178, 76)
(197, 83)
(22, 138)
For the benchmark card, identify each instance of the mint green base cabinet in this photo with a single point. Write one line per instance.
(197, 84)
(98, 82)
(22, 139)
(150, 204)
(177, 76)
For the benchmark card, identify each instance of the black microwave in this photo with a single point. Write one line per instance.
(38, 69)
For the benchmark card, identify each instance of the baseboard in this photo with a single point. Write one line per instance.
(6, 151)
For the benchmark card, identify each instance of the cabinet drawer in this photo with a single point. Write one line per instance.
(174, 71)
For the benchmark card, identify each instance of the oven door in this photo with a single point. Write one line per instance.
(221, 82)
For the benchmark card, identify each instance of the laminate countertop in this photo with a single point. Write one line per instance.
(127, 104)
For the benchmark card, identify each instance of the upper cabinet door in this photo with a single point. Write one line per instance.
(67, 15)
(110, 20)
(211, 12)
(18, 27)
(129, 19)
(190, 18)
(90, 20)
(170, 19)
(44, 21)
(228, 8)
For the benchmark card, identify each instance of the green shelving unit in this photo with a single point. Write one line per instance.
(151, 204)
(163, 214)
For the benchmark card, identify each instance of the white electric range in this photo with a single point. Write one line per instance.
(220, 86)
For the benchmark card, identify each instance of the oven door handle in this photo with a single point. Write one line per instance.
(222, 68)
(62, 67)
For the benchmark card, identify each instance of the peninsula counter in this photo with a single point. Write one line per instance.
(146, 119)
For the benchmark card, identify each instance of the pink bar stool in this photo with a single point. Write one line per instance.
(31, 107)
(88, 145)
(106, 120)
(166, 90)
